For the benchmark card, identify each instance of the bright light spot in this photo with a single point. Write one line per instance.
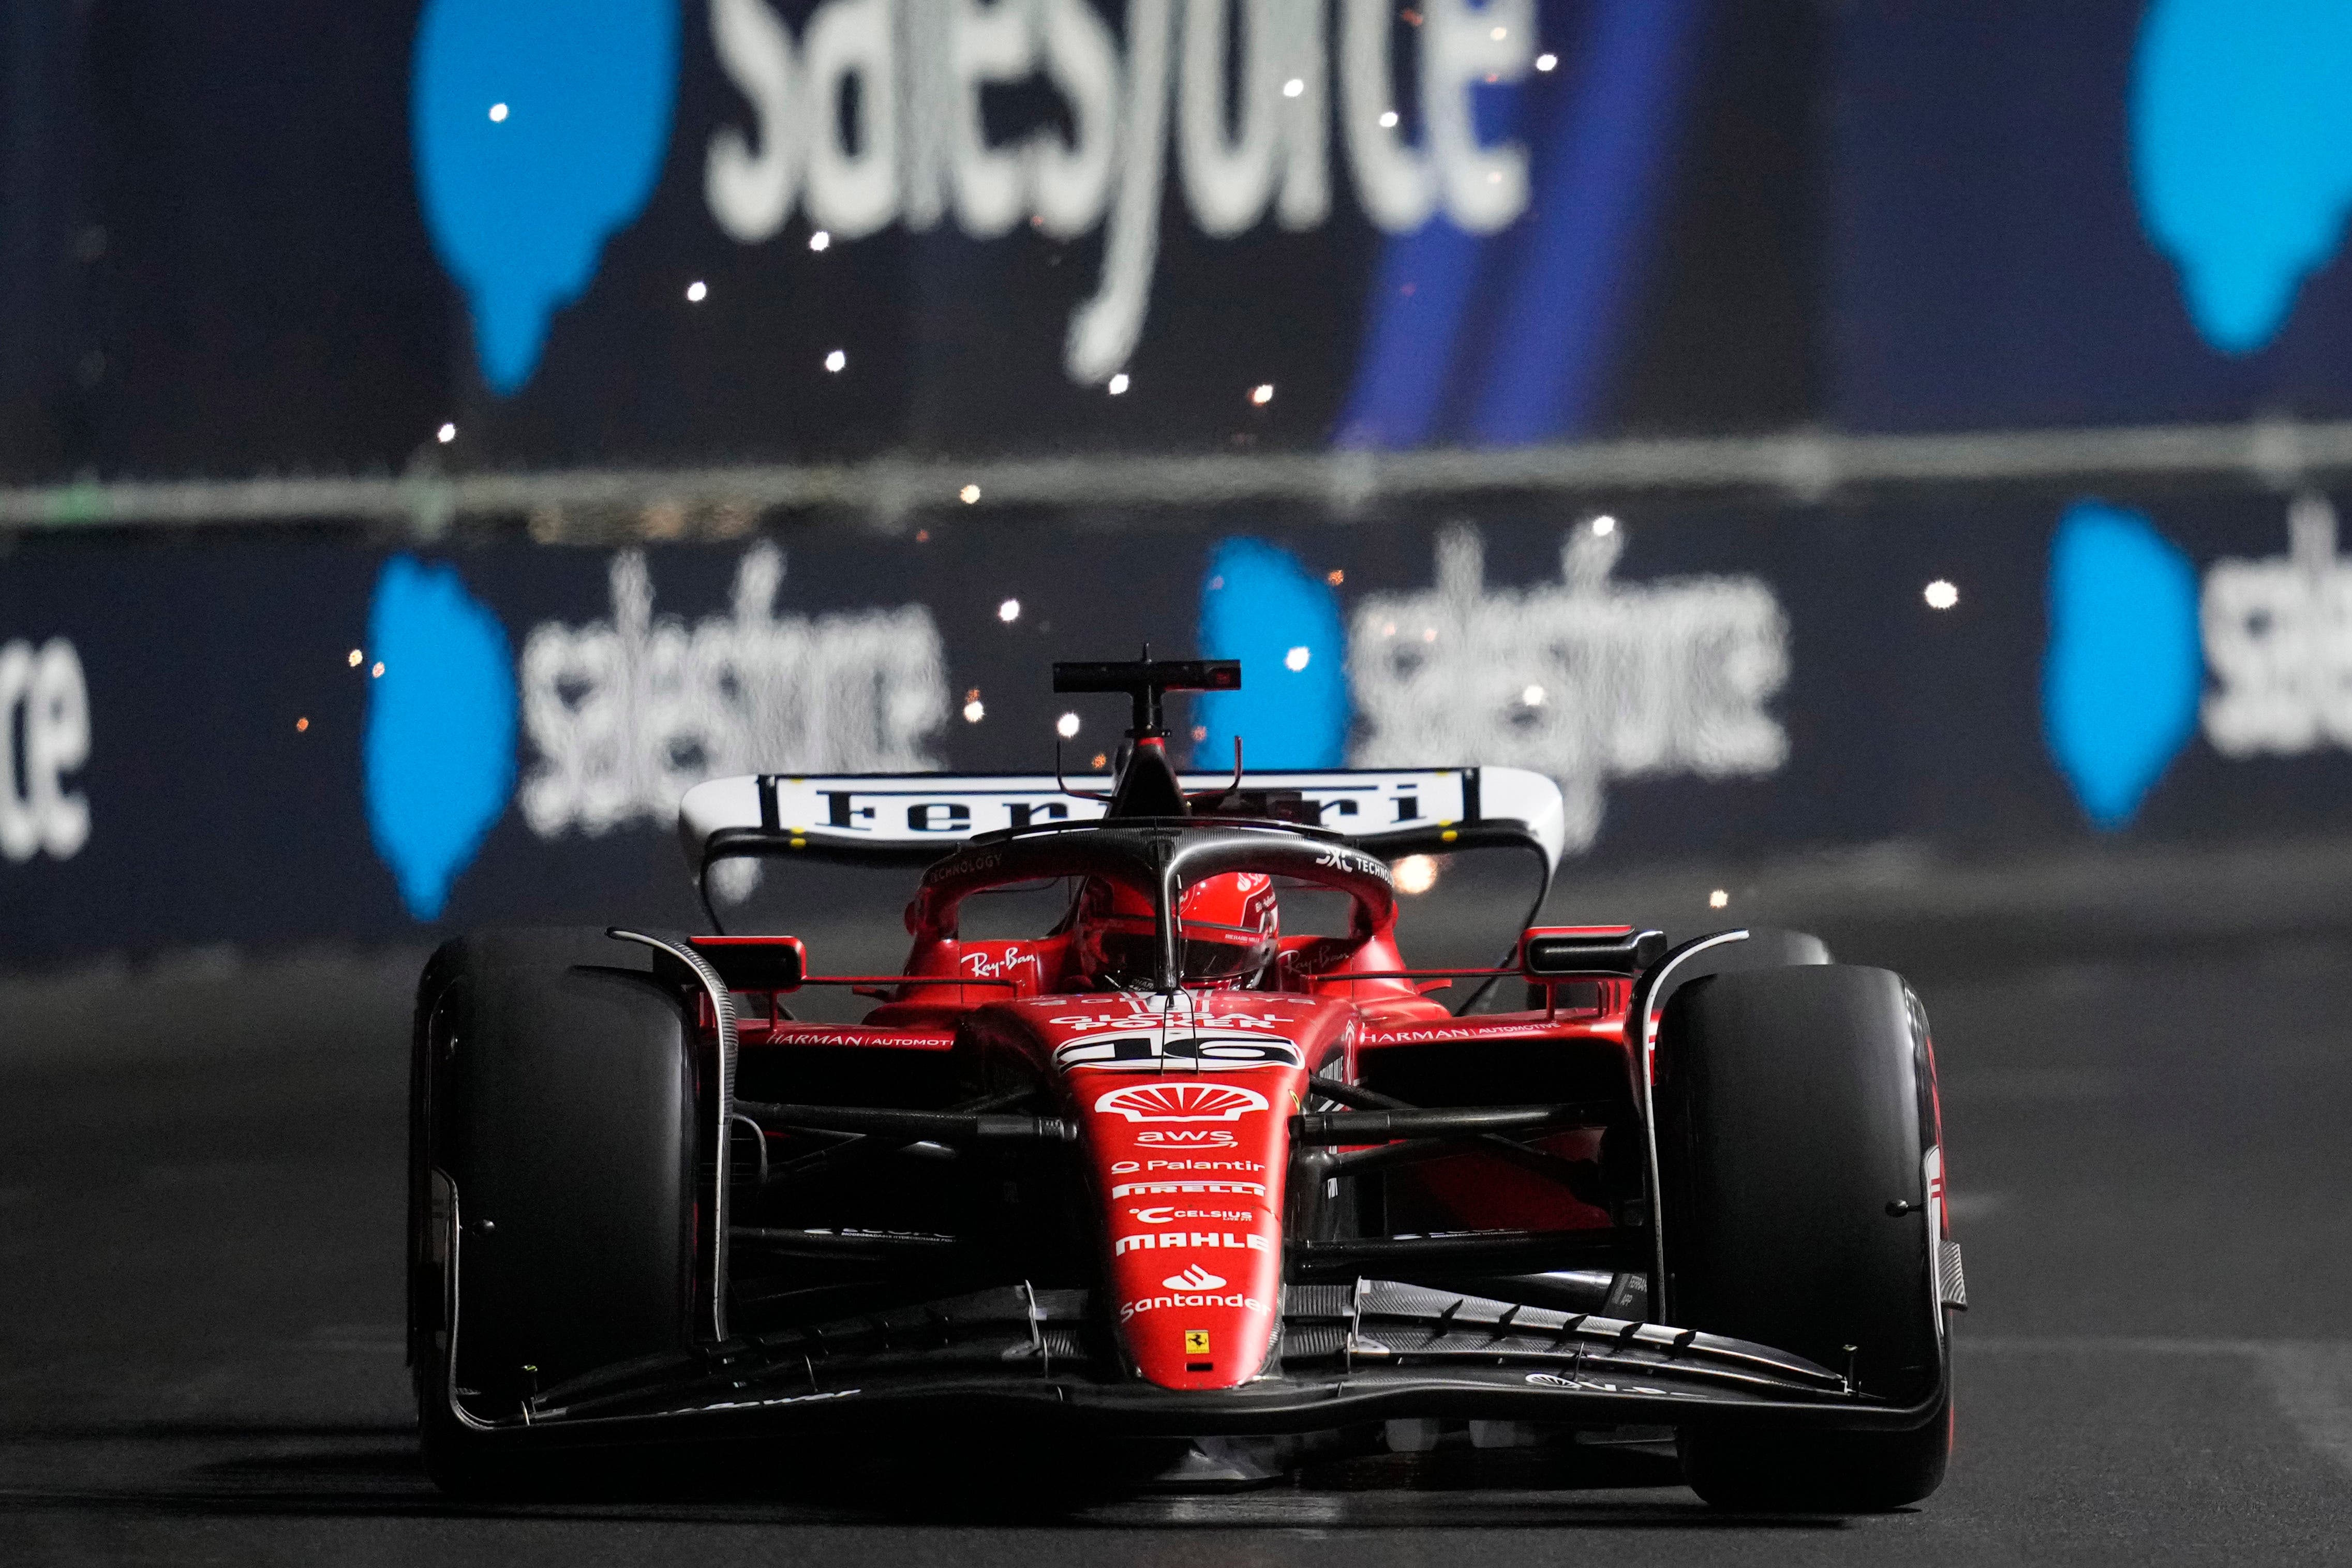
(1942, 595)
(355, 658)
(1604, 525)
(1496, 178)
(1387, 120)
(973, 713)
(1200, 734)
(446, 434)
(1102, 760)
(1499, 34)
(1429, 633)
(300, 724)
(1718, 899)
(1066, 726)
(376, 669)
(969, 494)
(698, 291)
(1293, 88)
(820, 240)
(1119, 384)
(1547, 62)
(1388, 628)
(1008, 612)
(1263, 393)
(835, 361)
(1415, 873)
(1336, 576)
(1296, 659)
(498, 113)
(1533, 696)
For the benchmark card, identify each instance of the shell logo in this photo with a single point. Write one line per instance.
(1182, 1101)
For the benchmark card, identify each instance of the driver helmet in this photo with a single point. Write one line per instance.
(1227, 931)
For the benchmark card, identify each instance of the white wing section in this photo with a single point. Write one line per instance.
(892, 813)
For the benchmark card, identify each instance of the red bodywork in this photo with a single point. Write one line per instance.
(1187, 1148)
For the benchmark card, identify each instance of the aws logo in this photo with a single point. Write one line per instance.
(2241, 153)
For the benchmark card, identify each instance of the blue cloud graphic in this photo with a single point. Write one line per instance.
(439, 752)
(2124, 667)
(1260, 606)
(519, 207)
(2241, 153)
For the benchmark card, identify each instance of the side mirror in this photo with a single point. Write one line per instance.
(1574, 952)
(755, 963)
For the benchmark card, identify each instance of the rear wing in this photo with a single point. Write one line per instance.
(919, 817)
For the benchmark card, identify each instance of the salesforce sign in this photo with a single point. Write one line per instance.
(541, 129)
(43, 736)
(1251, 134)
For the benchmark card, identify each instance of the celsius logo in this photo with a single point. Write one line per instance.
(1194, 1279)
(539, 129)
(1182, 1101)
(44, 700)
(2241, 153)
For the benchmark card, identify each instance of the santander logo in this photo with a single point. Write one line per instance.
(1193, 1279)
(1180, 1102)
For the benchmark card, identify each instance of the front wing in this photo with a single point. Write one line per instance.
(1370, 1352)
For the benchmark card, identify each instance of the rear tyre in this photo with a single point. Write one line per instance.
(1795, 1106)
(552, 1186)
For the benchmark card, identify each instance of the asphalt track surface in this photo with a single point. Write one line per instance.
(200, 1336)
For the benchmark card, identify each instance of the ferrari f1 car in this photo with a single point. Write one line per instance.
(1198, 1155)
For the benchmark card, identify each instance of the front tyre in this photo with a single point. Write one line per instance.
(552, 1186)
(1796, 1117)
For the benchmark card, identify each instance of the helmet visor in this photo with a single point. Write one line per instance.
(1130, 956)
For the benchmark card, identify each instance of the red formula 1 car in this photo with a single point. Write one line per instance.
(1157, 1134)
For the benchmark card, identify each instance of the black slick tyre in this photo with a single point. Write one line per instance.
(552, 1186)
(1796, 1113)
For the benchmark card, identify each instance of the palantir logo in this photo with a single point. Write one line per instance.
(44, 700)
(539, 128)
